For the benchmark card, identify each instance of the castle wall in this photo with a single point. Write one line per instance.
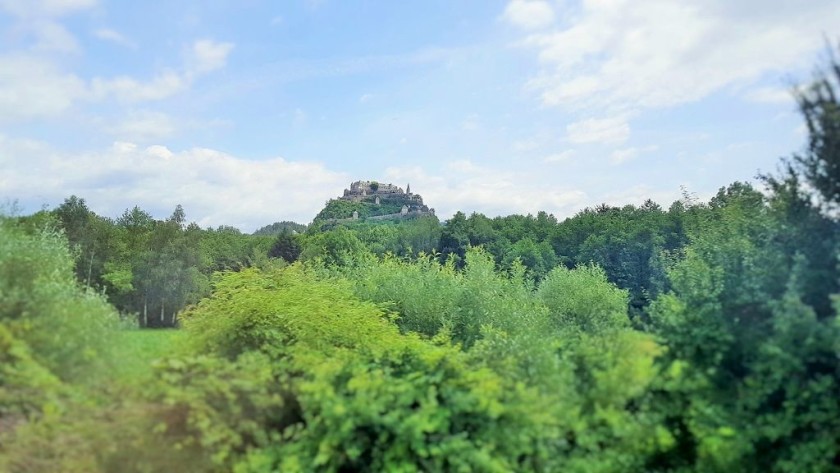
(396, 216)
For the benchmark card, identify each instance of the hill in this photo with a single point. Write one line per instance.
(370, 200)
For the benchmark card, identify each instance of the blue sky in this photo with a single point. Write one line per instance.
(248, 112)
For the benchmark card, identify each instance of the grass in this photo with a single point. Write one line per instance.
(135, 350)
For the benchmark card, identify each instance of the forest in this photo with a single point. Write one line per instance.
(698, 337)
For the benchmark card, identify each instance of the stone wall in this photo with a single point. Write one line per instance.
(396, 216)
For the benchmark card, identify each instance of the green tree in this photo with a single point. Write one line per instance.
(538, 258)
(454, 240)
(752, 393)
(820, 106)
(335, 247)
(166, 273)
(77, 221)
(277, 227)
(286, 246)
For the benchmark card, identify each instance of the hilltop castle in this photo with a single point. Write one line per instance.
(376, 193)
(359, 190)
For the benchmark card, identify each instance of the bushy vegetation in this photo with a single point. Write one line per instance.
(47, 319)
(339, 209)
(704, 338)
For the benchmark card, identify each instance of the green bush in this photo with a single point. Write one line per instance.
(430, 297)
(354, 393)
(369, 398)
(26, 387)
(65, 328)
(216, 409)
(583, 298)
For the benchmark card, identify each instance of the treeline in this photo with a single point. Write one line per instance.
(149, 269)
(277, 228)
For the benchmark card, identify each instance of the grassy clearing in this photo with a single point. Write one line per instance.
(137, 349)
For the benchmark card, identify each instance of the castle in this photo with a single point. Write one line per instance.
(359, 190)
(376, 193)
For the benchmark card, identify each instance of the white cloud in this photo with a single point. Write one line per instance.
(32, 8)
(215, 188)
(770, 95)
(129, 89)
(50, 36)
(159, 151)
(529, 14)
(33, 88)
(113, 36)
(208, 55)
(205, 56)
(143, 125)
(123, 147)
(621, 156)
(598, 130)
(559, 157)
(38, 19)
(526, 145)
(467, 187)
(622, 55)
(365, 98)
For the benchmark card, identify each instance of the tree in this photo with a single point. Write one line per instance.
(538, 258)
(335, 247)
(454, 239)
(277, 227)
(75, 218)
(820, 106)
(286, 246)
(754, 380)
(228, 249)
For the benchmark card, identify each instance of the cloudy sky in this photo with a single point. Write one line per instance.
(248, 112)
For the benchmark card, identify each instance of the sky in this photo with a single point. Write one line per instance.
(248, 112)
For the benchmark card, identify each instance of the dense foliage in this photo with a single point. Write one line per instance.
(339, 209)
(702, 338)
(150, 269)
(277, 228)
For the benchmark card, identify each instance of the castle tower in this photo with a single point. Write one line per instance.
(408, 188)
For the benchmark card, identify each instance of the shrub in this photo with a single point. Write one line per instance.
(582, 298)
(64, 327)
(430, 297)
(369, 398)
